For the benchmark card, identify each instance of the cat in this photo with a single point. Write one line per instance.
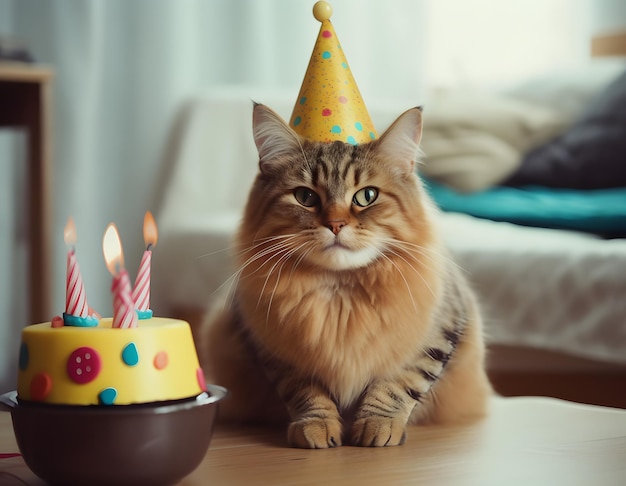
(348, 319)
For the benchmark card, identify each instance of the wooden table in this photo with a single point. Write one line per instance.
(25, 103)
(534, 441)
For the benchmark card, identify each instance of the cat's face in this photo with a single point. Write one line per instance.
(334, 205)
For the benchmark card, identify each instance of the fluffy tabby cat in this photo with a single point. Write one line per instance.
(347, 319)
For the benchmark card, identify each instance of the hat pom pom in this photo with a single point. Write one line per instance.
(322, 11)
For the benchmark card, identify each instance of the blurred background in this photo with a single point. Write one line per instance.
(124, 73)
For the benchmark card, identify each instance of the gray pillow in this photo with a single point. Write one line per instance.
(591, 154)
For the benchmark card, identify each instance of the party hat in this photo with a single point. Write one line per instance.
(329, 106)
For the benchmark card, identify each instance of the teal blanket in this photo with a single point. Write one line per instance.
(601, 211)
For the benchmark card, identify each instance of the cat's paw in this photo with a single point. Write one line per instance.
(314, 433)
(378, 432)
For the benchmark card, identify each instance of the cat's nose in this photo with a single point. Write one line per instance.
(335, 225)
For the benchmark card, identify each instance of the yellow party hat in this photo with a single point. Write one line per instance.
(329, 106)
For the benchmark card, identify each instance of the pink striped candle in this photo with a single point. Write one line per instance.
(141, 290)
(75, 297)
(124, 315)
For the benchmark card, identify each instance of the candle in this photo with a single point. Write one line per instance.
(77, 311)
(141, 290)
(124, 315)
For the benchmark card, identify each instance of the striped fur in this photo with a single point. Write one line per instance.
(347, 320)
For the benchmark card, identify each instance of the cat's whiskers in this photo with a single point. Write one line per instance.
(281, 248)
(284, 258)
(406, 283)
(427, 252)
(233, 280)
(230, 248)
(417, 272)
(235, 276)
(277, 246)
(214, 252)
(258, 242)
(425, 256)
(285, 253)
(420, 255)
(302, 256)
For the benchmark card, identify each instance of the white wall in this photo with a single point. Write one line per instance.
(607, 16)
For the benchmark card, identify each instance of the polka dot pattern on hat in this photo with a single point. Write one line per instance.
(329, 106)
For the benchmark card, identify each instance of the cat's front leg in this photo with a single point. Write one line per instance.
(315, 420)
(382, 416)
(386, 406)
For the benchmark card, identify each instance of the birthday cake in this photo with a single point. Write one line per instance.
(101, 365)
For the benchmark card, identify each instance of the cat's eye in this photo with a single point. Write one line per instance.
(365, 197)
(306, 197)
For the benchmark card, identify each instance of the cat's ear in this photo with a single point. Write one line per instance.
(399, 145)
(272, 136)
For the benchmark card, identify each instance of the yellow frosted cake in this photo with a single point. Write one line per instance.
(101, 365)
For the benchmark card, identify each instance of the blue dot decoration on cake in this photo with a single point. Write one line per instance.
(130, 356)
(108, 396)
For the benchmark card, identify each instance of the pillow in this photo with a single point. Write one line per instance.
(591, 154)
(468, 160)
(474, 140)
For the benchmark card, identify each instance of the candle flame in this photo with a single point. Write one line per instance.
(150, 231)
(112, 249)
(69, 233)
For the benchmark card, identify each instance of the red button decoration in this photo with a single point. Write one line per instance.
(40, 386)
(83, 365)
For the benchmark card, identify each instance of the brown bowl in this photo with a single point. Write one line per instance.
(156, 444)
